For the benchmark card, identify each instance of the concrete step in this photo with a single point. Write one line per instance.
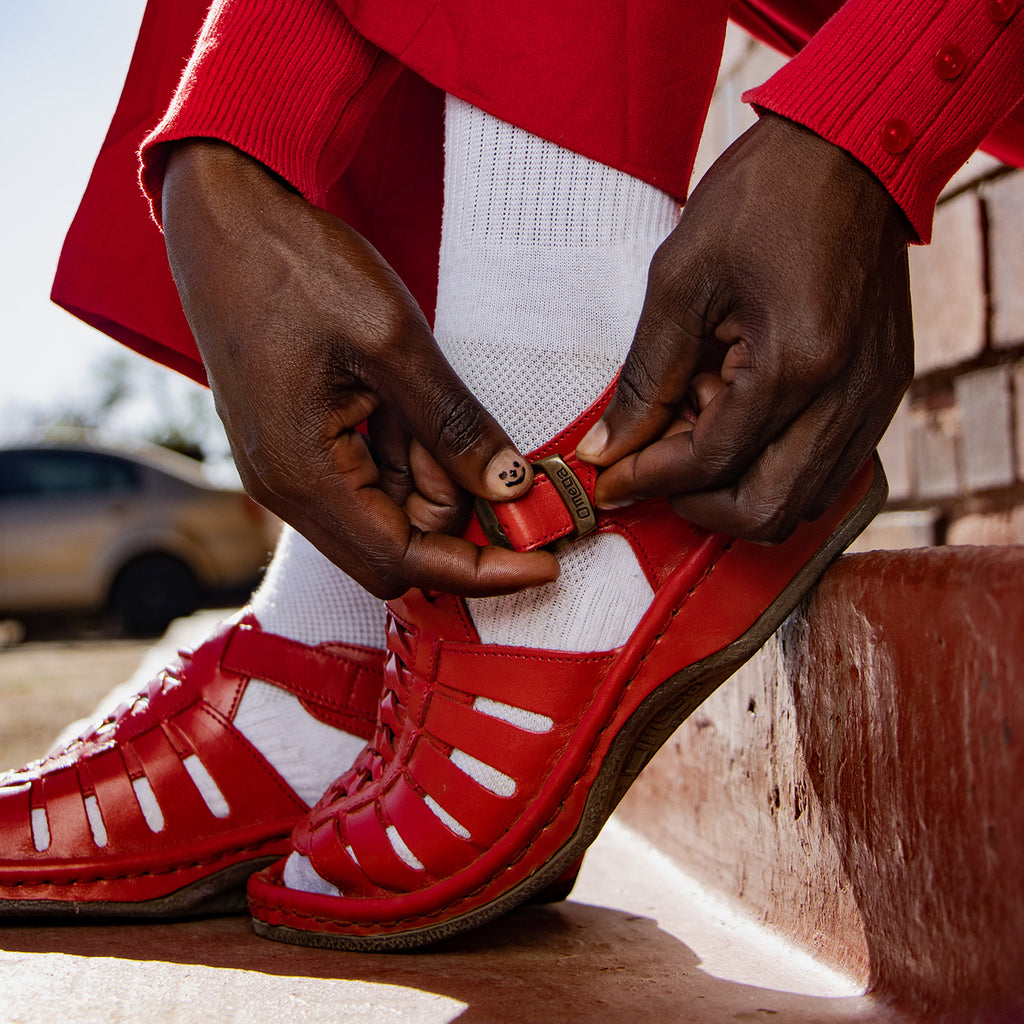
(639, 942)
(841, 818)
(858, 787)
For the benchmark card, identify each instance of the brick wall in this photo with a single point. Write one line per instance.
(954, 453)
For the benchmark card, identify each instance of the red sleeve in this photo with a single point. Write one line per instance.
(113, 271)
(289, 82)
(908, 87)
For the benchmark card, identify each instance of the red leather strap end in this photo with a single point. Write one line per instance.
(346, 681)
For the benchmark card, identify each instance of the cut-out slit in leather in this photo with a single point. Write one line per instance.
(490, 778)
(398, 844)
(457, 827)
(148, 804)
(40, 829)
(529, 721)
(208, 789)
(99, 829)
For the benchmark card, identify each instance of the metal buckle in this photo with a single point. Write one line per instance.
(488, 520)
(573, 495)
(567, 486)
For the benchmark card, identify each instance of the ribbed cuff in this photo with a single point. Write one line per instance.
(908, 87)
(289, 82)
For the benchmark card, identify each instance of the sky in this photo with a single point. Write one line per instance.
(62, 64)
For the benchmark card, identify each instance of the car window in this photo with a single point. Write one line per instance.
(46, 473)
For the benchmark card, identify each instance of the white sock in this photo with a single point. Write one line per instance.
(544, 259)
(306, 597)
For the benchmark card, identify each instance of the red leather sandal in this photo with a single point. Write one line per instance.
(420, 850)
(165, 809)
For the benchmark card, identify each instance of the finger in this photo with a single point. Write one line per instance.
(437, 503)
(389, 440)
(363, 531)
(651, 388)
(387, 555)
(857, 452)
(705, 389)
(785, 485)
(727, 436)
(436, 561)
(464, 439)
(413, 479)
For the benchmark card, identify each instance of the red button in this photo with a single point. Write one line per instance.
(1002, 10)
(895, 135)
(949, 61)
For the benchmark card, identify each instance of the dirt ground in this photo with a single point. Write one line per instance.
(45, 685)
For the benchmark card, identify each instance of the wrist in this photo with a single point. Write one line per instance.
(835, 175)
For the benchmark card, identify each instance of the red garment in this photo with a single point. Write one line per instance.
(297, 86)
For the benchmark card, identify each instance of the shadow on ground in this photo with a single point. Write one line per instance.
(574, 962)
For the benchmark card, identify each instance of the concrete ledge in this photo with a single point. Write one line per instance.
(858, 786)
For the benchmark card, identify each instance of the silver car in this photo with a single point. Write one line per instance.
(142, 534)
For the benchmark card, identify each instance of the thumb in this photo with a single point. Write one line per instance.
(652, 386)
(458, 432)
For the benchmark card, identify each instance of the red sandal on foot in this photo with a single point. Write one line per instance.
(417, 847)
(165, 809)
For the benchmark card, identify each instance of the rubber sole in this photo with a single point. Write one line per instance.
(215, 895)
(642, 735)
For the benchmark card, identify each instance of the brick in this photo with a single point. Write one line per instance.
(979, 167)
(983, 528)
(947, 282)
(1004, 199)
(986, 428)
(894, 451)
(933, 454)
(871, 749)
(894, 531)
(1018, 390)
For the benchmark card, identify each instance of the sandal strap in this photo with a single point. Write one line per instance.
(335, 679)
(559, 509)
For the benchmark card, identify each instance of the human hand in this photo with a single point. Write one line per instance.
(306, 332)
(786, 283)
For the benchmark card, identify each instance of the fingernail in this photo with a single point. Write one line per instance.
(594, 441)
(611, 506)
(507, 472)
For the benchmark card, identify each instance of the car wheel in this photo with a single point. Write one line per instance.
(151, 591)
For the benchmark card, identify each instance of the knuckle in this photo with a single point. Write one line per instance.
(455, 424)
(719, 463)
(388, 568)
(637, 383)
(664, 265)
(385, 590)
(819, 365)
(769, 522)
